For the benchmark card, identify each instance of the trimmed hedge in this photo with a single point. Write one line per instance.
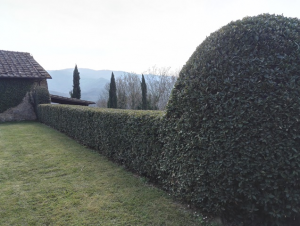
(229, 142)
(125, 136)
(235, 115)
(12, 92)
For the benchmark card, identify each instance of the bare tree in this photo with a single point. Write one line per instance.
(103, 97)
(121, 93)
(160, 82)
(130, 90)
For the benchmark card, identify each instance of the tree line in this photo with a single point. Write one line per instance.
(150, 91)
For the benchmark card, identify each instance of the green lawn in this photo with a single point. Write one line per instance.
(47, 178)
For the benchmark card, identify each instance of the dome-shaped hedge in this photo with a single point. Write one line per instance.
(236, 113)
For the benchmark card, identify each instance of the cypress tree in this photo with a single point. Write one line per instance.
(76, 93)
(144, 93)
(112, 99)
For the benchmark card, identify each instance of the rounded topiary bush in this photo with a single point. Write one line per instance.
(234, 123)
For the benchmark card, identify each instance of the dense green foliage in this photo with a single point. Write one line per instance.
(229, 142)
(76, 92)
(112, 99)
(41, 96)
(235, 111)
(126, 136)
(12, 92)
(144, 94)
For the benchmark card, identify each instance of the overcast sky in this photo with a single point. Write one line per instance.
(128, 35)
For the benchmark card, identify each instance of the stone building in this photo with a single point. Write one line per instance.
(20, 75)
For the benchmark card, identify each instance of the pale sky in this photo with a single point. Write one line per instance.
(127, 35)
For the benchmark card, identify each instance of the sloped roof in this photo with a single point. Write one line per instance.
(71, 101)
(20, 65)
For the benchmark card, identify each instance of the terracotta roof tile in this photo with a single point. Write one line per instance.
(20, 65)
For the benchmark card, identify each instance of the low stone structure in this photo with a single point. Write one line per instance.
(70, 101)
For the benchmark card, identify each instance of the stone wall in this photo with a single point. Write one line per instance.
(24, 111)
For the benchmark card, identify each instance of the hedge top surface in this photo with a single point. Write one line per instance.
(255, 51)
(110, 110)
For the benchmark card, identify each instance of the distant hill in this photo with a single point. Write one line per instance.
(91, 82)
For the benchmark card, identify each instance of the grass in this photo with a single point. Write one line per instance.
(47, 178)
